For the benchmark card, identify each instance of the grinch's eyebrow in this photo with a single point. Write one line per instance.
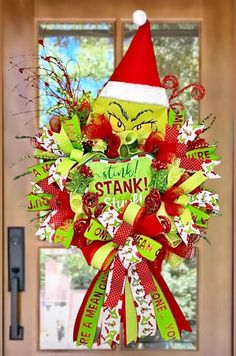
(123, 112)
(141, 113)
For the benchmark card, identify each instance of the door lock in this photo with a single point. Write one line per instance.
(16, 276)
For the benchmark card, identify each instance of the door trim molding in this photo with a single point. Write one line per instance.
(234, 189)
(1, 180)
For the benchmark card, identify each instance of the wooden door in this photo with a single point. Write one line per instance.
(21, 18)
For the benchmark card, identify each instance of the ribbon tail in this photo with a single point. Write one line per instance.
(129, 317)
(145, 276)
(88, 315)
(117, 284)
(176, 311)
(143, 304)
(178, 316)
(111, 317)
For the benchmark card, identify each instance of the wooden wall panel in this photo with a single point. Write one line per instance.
(234, 213)
(216, 260)
(1, 191)
(123, 8)
(18, 43)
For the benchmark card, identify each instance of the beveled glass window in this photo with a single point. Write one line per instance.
(64, 279)
(177, 50)
(86, 49)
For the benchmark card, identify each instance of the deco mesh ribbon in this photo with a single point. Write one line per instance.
(129, 197)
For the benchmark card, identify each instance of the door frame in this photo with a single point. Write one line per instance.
(234, 197)
(1, 180)
(3, 241)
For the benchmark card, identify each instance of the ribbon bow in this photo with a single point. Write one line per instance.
(65, 147)
(59, 172)
(128, 272)
(130, 287)
(127, 255)
(178, 205)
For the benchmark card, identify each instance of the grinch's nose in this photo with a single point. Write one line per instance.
(127, 137)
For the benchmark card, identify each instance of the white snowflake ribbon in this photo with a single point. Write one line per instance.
(54, 176)
(46, 230)
(109, 219)
(189, 131)
(48, 142)
(110, 327)
(206, 199)
(36, 189)
(143, 304)
(208, 169)
(185, 230)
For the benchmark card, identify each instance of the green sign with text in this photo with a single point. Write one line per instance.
(116, 182)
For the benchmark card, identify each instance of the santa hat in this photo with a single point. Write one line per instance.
(136, 78)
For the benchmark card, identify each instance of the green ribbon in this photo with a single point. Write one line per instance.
(69, 140)
(73, 130)
(63, 141)
(173, 239)
(39, 202)
(193, 182)
(147, 247)
(174, 260)
(40, 170)
(97, 231)
(190, 210)
(186, 216)
(91, 312)
(174, 175)
(130, 316)
(64, 234)
(199, 215)
(76, 204)
(164, 317)
(75, 155)
(177, 119)
(99, 146)
(65, 166)
(188, 186)
(127, 137)
(203, 153)
(104, 255)
(40, 154)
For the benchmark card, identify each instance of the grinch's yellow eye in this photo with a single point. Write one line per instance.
(147, 126)
(117, 124)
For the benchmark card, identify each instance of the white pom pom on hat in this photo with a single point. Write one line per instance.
(139, 17)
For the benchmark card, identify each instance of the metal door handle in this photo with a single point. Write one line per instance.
(15, 277)
(16, 331)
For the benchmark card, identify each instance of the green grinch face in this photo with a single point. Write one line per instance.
(124, 115)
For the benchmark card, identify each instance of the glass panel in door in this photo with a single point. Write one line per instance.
(87, 51)
(177, 49)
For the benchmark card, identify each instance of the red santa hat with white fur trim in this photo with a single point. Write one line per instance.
(136, 78)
